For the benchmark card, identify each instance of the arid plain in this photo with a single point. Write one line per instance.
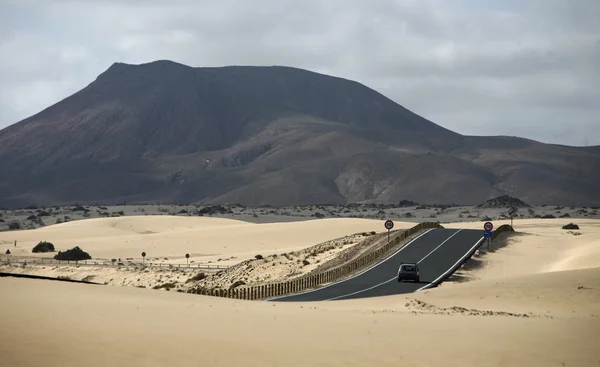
(533, 299)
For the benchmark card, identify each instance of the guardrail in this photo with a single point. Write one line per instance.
(467, 256)
(310, 281)
(99, 263)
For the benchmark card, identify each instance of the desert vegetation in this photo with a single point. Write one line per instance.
(43, 246)
(74, 254)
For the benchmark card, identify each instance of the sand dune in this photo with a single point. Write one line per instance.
(533, 301)
(204, 238)
(538, 246)
(56, 324)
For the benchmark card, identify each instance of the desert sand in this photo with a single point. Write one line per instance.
(205, 239)
(533, 300)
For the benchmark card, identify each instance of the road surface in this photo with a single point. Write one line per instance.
(439, 252)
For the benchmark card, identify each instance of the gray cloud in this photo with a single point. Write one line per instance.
(521, 68)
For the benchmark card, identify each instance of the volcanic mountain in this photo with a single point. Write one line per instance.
(169, 133)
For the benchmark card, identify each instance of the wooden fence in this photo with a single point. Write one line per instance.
(313, 280)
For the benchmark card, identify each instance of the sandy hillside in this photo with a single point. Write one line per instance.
(206, 239)
(114, 237)
(56, 324)
(533, 301)
(538, 246)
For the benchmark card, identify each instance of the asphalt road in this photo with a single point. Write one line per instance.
(438, 252)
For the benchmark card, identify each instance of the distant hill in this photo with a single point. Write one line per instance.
(504, 201)
(166, 132)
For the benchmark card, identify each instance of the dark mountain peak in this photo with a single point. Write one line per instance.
(264, 135)
(120, 69)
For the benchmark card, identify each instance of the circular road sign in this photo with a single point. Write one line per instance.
(389, 224)
(488, 226)
(187, 256)
(143, 254)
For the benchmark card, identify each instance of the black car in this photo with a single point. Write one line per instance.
(408, 271)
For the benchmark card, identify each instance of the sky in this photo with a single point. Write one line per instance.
(526, 68)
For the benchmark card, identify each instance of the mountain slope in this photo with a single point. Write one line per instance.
(167, 132)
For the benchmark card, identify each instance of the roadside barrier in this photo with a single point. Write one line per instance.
(313, 280)
(105, 263)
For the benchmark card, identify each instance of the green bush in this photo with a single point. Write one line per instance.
(74, 254)
(570, 226)
(43, 246)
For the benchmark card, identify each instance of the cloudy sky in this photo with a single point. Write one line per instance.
(497, 67)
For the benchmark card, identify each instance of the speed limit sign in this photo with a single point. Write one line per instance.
(389, 224)
(488, 226)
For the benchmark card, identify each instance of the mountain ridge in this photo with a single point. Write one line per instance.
(267, 135)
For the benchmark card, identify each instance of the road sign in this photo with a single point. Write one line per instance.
(187, 256)
(8, 252)
(487, 234)
(488, 226)
(143, 254)
(389, 224)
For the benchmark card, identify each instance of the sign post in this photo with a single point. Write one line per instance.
(143, 258)
(8, 255)
(512, 213)
(487, 227)
(187, 257)
(388, 225)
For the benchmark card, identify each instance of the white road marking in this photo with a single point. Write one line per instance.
(478, 243)
(440, 245)
(357, 275)
(364, 290)
(394, 278)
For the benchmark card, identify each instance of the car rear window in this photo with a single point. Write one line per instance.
(408, 268)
